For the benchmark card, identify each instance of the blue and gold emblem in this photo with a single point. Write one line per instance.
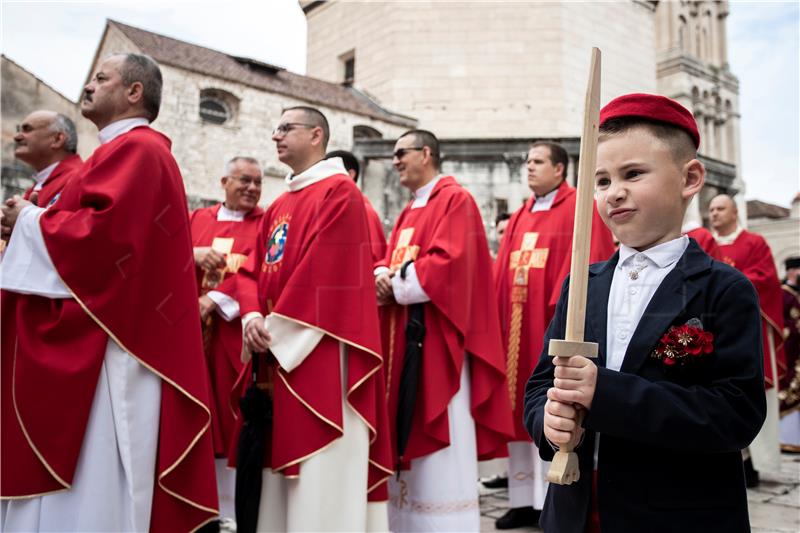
(276, 246)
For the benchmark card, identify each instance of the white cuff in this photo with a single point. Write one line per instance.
(27, 267)
(291, 342)
(408, 291)
(248, 317)
(227, 307)
(381, 270)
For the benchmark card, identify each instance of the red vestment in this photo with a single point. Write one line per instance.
(750, 254)
(52, 187)
(119, 239)
(377, 239)
(311, 265)
(532, 263)
(789, 394)
(223, 339)
(447, 242)
(706, 241)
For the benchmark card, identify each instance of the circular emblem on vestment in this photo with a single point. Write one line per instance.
(277, 243)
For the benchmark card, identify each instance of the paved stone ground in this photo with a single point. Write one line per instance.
(774, 506)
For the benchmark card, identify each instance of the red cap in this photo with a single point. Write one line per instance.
(652, 107)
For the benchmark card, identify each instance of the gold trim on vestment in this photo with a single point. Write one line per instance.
(392, 332)
(168, 380)
(779, 364)
(41, 458)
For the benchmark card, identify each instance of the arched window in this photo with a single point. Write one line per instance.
(218, 106)
(366, 132)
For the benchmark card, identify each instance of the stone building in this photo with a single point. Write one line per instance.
(779, 226)
(489, 77)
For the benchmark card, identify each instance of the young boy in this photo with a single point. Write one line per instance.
(677, 390)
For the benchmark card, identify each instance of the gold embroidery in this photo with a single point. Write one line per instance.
(521, 261)
(403, 251)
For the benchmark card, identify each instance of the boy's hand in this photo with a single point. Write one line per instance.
(559, 420)
(575, 380)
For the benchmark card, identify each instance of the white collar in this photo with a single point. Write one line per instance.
(662, 255)
(115, 129)
(42, 176)
(544, 203)
(728, 239)
(229, 215)
(316, 172)
(423, 194)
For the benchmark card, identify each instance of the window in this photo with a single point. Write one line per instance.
(348, 67)
(217, 106)
(366, 132)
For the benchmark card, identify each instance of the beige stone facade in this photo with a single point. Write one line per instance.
(484, 69)
(782, 235)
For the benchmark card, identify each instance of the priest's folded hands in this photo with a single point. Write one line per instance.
(256, 336)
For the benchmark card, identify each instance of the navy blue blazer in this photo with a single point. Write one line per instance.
(669, 455)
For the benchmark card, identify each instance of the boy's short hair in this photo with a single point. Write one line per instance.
(679, 143)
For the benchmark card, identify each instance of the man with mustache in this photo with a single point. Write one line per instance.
(223, 236)
(105, 417)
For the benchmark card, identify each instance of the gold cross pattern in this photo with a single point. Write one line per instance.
(527, 257)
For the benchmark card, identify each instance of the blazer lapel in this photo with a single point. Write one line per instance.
(670, 299)
(600, 276)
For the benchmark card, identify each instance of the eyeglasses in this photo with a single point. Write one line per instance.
(247, 180)
(283, 129)
(400, 152)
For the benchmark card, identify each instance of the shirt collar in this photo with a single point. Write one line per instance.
(115, 129)
(315, 173)
(728, 239)
(41, 176)
(224, 214)
(543, 203)
(662, 255)
(423, 194)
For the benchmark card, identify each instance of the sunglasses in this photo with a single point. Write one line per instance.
(400, 152)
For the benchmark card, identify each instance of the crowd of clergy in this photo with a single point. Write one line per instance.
(287, 369)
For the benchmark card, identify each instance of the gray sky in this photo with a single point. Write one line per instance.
(57, 41)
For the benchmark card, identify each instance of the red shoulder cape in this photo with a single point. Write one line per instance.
(529, 273)
(706, 241)
(312, 265)
(750, 254)
(223, 340)
(58, 179)
(119, 237)
(451, 257)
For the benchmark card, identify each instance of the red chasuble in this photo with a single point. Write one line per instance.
(55, 183)
(119, 238)
(706, 241)
(222, 340)
(750, 254)
(447, 242)
(789, 394)
(532, 263)
(376, 237)
(312, 265)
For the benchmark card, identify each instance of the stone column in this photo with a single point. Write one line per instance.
(516, 187)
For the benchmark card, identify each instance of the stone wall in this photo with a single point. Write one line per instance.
(485, 69)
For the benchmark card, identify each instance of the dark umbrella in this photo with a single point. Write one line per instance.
(256, 407)
(409, 377)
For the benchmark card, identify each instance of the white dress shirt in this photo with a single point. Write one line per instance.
(544, 203)
(629, 297)
(115, 129)
(42, 176)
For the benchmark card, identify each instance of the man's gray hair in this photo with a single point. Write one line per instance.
(246, 159)
(63, 124)
(142, 68)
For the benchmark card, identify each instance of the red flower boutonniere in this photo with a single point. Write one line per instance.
(685, 344)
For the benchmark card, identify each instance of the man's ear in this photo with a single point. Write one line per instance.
(59, 142)
(694, 176)
(135, 92)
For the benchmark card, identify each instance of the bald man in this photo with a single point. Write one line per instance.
(48, 142)
(750, 253)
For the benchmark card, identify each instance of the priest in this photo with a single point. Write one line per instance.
(436, 279)
(48, 142)
(310, 316)
(532, 262)
(105, 418)
(750, 253)
(789, 393)
(222, 237)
